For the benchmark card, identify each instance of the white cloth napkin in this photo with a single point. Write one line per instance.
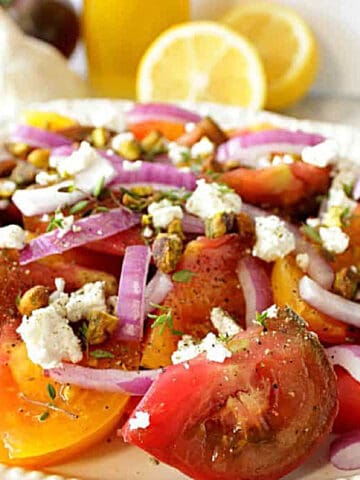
(32, 71)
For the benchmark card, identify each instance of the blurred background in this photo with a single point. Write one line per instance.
(105, 40)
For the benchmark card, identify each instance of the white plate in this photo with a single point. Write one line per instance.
(113, 460)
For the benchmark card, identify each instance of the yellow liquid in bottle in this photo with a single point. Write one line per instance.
(117, 33)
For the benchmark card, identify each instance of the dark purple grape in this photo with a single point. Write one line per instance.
(53, 21)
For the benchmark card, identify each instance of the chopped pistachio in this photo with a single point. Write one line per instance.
(347, 281)
(101, 324)
(129, 149)
(176, 227)
(167, 251)
(150, 141)
(24, 173)
(99, 137)
(33, 299)
(143, 190)
(39, 158)
(19, 149)
(219, 225)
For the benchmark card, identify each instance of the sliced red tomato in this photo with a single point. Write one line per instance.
(116, 244)
(280, 185)
(256, 416)
(170, 130)
(348, 417)
(214, 284)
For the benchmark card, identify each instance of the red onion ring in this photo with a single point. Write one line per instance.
(356, 190)
(105, 380)
(131, 298)
(156, 290)
(347, 357)
(89, 229)
(345, 451)
(37, 137)
(255, 285)
(164, 112)
(329, 303)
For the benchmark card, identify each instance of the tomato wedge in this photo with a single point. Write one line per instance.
(256, 416)
(348, 417)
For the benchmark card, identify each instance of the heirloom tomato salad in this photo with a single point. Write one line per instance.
(194, 289)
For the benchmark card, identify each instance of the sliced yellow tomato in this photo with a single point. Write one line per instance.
(47, 120)
(35, 435)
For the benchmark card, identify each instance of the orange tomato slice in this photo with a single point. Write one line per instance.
(27, 438)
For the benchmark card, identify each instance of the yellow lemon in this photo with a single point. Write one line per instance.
(286, 45)
(47, 120)
(202, 61)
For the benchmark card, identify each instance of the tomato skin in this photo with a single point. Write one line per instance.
(215, 284)
(348, 417)
(280, 185)
(256, 416)
(170, 130)
(116, 244)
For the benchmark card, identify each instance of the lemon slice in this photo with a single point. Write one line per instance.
(202, 61)
(286, 45)
(47, 120)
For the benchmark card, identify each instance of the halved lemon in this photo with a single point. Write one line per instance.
(286, 46)
(202, 61)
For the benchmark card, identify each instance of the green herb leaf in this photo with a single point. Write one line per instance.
(213, 175)
(311, 232)
(223, 188)
(101, 354)
(51, 391)
(67, 189)
(78, 207)
(100, 208)
(55, 223)
(183, 276)
(130, 193)
(261, 317)
(345, 217)
(44, 416)
(99, 187)
(348, 188)
(164, 320)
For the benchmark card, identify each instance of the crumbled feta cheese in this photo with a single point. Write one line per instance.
(148, 232)
(215, 350)
(49, 339)
(45, 218)
(303, 261)
(164, 212)
(224, 324)
(178, 153)
(313, 222)
(90, 297)
(211, 198)
(12, 236)
(337, 201)
(189, 127)
(59, 284)
(44, 178)
(132, 166)
(141, 420)
(65, 224)
(203, 148)
(272, 311)
(322, 154)
(273, 239)
(120, 139)
(7, 188)
(334, 239)
(282, 159)
(78, 161)
(264, 161)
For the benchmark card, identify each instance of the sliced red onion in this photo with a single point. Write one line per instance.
(253, 211)
(164, 112)
(156, 290)
(131, 298)
(249, 147)
(89, 229)
(318, 269)
(105, 380)
(256, 287)
(356, 190)
(346, 356)
(345, 451)
(329, 303)
(64, 151)
(151, 173)
(37, 137)
(192, 224)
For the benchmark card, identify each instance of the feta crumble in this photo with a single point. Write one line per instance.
(12, 236)
(211, 198)
(202, 148)
(272, 311)
(44, 178)
(65, 224)
(164, 212)
(141, 420)
(120, 139)
(90, 297)
(334, 239)
(282, 159)
(7, 188)
(273, 239)
(224, 324)
(303, 261)
(178, 153)
(322, 154)
(49, 339)
(132, 166)
(78, 161)
(188, 349)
